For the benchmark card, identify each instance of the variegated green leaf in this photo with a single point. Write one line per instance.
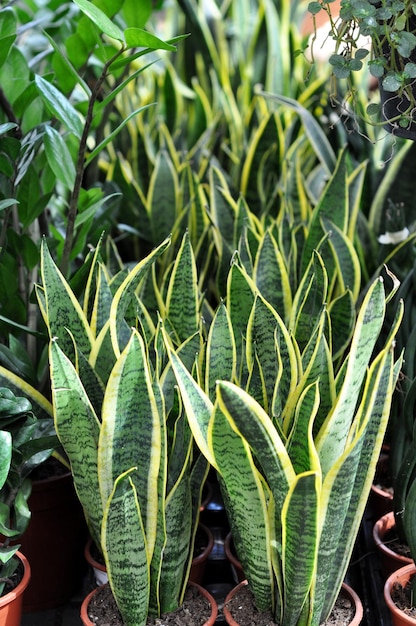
(345, 257)
(300, 445)
(119, 331)
(372, 418)
(241, 292)
(271, 276)
(126, 553)
(162, 197)
(333, 204)
(220, 351)
(78, 428)
(178, 515)
(261, 329)
(130, 414)
(102, 302)
(333, 434)
(309, 300)
(246, 505)
(300, 523)
(197, 404)
(41, 406)
(342, 317)
(182, 295)
(62, 309)
(248, 417)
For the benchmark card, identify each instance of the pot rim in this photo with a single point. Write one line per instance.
(17, 591)
(400, 575)
(356, 620)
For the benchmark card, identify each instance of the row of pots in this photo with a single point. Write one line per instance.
(66, 503)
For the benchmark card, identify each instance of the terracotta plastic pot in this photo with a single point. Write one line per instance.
(199, 562)
(236, 569)
(57, 524)
(381, 500)
(210, 622)
(401, 577)
(99, 569)
(11, 604)
(390, 561)
(345, 590)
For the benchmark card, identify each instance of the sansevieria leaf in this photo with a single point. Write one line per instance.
(123, 534)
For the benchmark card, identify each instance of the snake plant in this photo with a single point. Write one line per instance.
(123, 429)
(293, 433)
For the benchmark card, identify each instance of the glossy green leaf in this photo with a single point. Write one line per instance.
(139, 38)
(59, 157)
(59, 106)
(100, 19)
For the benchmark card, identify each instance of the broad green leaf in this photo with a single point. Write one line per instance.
(300, 525)
(271, 275)
(130, 413)
(220, 351)
(126, 554)
(7, 32)
(77, 427)
(248, 417)
(333, 204)
(246, 505)
(62, 309)
(182, 295)
(178, 516)
(100, 19)
(333, 434)
(59, 106)
(197, 405)
(139, 38)
(5, 455)
(59, 157)
(163, 197)
(119, 331)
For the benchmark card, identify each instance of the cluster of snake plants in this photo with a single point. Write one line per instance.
(130, 449)
(294, 437)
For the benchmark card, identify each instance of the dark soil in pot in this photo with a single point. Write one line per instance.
(401, 597)
(244, 611)
(195, 610)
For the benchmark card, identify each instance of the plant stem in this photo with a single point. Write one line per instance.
(73, 204)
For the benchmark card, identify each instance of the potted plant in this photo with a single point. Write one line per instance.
(295, 442)
(25, 442)
(391, 28)
(122, 426)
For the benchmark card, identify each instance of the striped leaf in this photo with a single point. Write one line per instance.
(197, 404)
(61, 308)
(261, 330)
(341, 312)
(241, 292)
(271, 276)
(119, 332)
(300, 522)
(246, 506)
(220, 351)
(345, 258)
(78, 428)
(333, 434)
(309, 300)
(126, 553)
(373, 417)
(178, 515)
(256, 427)
(130, 414)
(332, 204)
(162, 197)
(41, 406)
(182, 295)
